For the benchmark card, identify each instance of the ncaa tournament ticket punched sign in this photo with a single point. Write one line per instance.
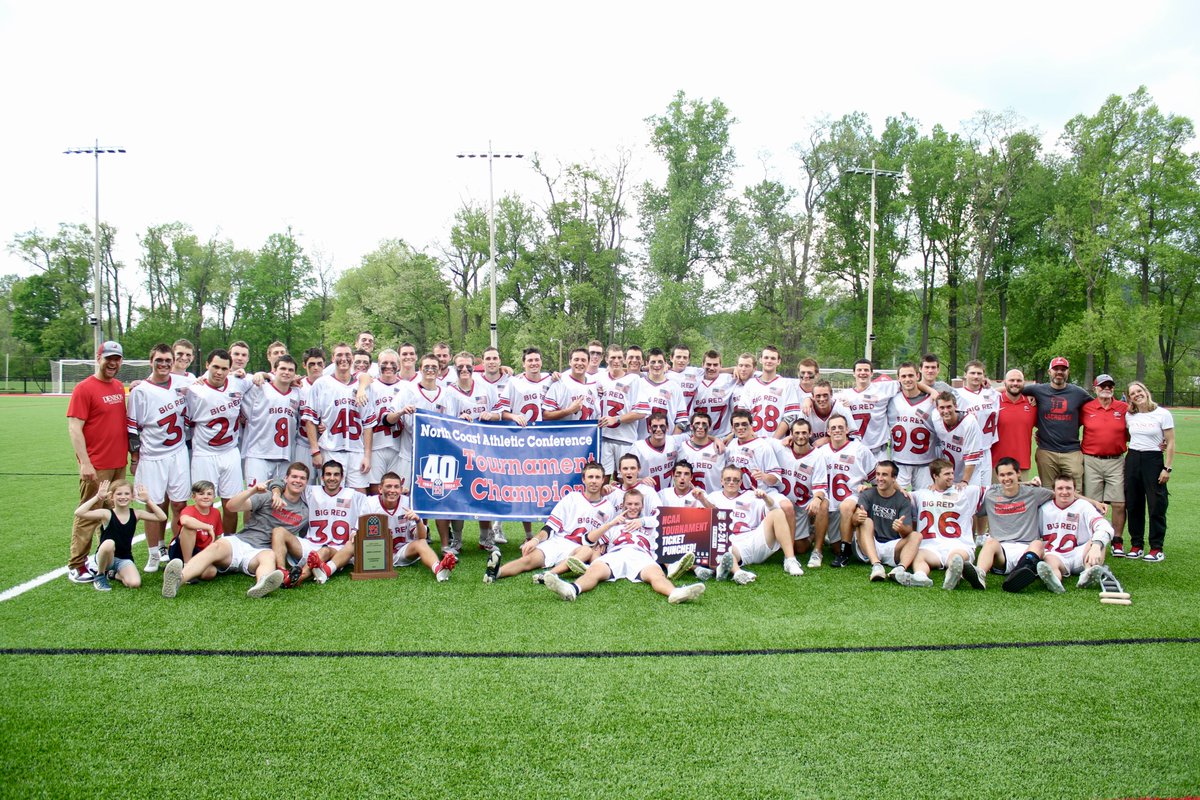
(500, 471)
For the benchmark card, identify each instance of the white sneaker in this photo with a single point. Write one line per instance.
(1050, 577)
(792, 567)
(900, 575)
(917, 579)
(265, 586)
(172, 577)
(878, 573)
(560, 587)
(499, 533)
(743, 577)
(814, 561)
(725, 566)
(953, 573)
(681, 566)
(704, 573)
(685, 594)
(153, 560)
(1090, 577)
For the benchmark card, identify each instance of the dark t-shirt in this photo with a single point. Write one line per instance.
(262, 519)
(883, 511)
(1057, 415)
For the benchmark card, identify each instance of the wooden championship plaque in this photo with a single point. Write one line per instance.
(373, 549)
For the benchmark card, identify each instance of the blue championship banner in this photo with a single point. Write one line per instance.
(474, 470)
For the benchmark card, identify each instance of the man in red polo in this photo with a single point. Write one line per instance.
(1014, 430)
(1104, 448)
(96, 422)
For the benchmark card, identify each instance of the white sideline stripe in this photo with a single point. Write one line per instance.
(17, 591)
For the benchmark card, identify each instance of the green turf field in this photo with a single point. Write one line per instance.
(409, 687)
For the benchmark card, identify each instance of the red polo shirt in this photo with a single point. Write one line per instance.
(1104, 432)
(1014, 430)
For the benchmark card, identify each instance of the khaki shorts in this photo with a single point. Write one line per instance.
(1104, 478)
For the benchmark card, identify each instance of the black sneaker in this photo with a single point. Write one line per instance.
(842, 559)
(291, 578)
(972, 576)
(1019, 578)
(493, 567)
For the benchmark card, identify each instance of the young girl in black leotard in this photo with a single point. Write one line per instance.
(114, 556)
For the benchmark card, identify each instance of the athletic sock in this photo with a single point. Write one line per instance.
(575, 587)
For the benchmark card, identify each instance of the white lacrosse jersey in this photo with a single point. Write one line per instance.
(332, 519)
(747, 512)
(961, 445)
(574, 515)
(404, 531)
(666, 397)
(911, 419)
(270, 422)
(657, 463)
(1064, 529)
(868, 411)
(771, 405)
(566, 391)
(383, 399)
(706, 462)
(948, 516)
(984, 406)
(525, 397)
(754, 455)
(713, 398)
(802, 475)
(618, 397)
(213, 414)
(157, 413)
(477, 400)
(332, 403)
(848, 467)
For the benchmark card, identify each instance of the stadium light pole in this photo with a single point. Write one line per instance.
(874, 173)
(491, 157)
(95, 151)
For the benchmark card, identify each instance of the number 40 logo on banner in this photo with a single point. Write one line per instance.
(439, 476)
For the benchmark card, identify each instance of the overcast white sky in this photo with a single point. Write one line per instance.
(342, 120)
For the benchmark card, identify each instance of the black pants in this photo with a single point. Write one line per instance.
(1144, 493)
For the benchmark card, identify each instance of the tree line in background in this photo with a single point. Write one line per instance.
(990, 241)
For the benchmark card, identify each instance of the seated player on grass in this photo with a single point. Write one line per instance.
(759, 529)
(942, 511)
(682, 493)
(249, 551)
(410, 537)
(804, 476)
(1076, 536)
(629, 554)
(333, 512)
(1014, 524)
(628, 470)
(199, 526)
(114, 556)
(562, 535)
(884, 533)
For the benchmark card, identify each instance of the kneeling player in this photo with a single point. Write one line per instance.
(562, 535)
(760, 529)
(942, 511)
(410, 543)
(1076, 536)
(884, 533)
(629, 555)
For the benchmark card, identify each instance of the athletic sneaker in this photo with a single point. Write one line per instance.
(499, 537)
(1090, 577)
(973, 576)
(681, 566)
(575, 566)
(1050, 577)
(446, 565)
(291, 578)
(493, 566)
(954, 571)
(1153, 555)
(981, 539)
(704, 573)
(897, 573)
(743, 577)
(814, 561)
(1118, 547)
(878, 573)
(81, 575)
(725, 566)
(172, 576)
(917, 579)
(685, 594)
(792, 567)
(842, 559)
(101, 584)
(560, 587)
(153, 560)
(1019, 578)
(264, 587)
(1134, 552)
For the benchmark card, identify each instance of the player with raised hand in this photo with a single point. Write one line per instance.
(805, 477)
(630, 542)
(114, 555)
(156, 410)
(944, 513)
(658, 393)
(770, 398)
(883, 523)
(574, 396)
(1076, 536)
(759, 529)
(562, 535)
(214, 405)
(271, 410)
(850, 465)
(910, 416)
(618, 419)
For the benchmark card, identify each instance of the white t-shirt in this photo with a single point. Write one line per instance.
(1146, 429)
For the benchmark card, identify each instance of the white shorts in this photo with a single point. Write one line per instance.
(224, 470)
(352, 474)
(610, 454)
(804, 524)
(264, 470)
(628, 563)
(753, 545)
(943, 547)
(168, 476)
(399, 559)
(556, 549)
(241, 554)
(1012, 554)
(913, 476)
(1073, 561)
(885, 550)
(385, 461)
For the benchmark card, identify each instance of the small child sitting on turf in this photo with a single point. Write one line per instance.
(199, 526)
(114, 556)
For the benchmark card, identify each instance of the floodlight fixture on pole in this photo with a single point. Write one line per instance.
(873, 172)
(491, 157)
(95, 150)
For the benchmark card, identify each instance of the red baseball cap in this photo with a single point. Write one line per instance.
(1059, 361)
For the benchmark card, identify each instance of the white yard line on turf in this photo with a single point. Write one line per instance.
(17, 591)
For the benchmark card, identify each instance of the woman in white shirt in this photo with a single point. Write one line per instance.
(1147, 470)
